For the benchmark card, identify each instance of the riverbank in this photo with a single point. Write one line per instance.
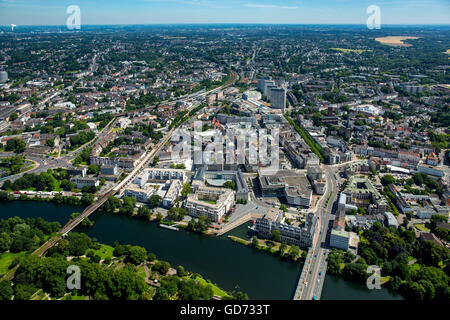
(251, 271)
(273, 249)
(121, 272)
(231, 265)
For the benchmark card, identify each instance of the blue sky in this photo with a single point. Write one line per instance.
(53, 12)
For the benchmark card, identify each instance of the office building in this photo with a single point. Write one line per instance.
(213, 203)
(294, 234)
(278, 98)
(294, 187)
(3, 76)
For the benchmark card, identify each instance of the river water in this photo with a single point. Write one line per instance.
(230, 265)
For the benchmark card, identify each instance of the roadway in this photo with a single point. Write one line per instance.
(314, 271)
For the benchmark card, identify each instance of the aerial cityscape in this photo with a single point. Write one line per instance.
(224, 160)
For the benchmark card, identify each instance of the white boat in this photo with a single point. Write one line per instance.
(168, 227)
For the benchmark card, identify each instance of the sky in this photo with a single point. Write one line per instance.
(103, 12)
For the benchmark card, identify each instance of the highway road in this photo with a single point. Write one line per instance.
(316, 271)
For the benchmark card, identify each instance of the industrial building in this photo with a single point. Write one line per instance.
(293, 186)
(216, 178)
(213, 203)
(299, 235)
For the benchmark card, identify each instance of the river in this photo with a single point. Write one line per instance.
(224, 262)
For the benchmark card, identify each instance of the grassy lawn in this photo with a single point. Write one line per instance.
(421, 227)
(348, 50)
(385, 279)
(74, 297)
(141, 272)
(239, 240)
(104, 252)
(6, 259)
(262, 245)
(57, 185)
(216, 290)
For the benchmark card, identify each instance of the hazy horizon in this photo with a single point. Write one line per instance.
(168, 12)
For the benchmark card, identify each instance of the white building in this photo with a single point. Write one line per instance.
(391, 221)
(141, 195)
(369, 109)
(172, 194)
(211, 202)
(344, 240)
(160, 175)
(81, 182)
(3, 76)
(123, 122)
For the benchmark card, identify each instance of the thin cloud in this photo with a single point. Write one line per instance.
(265, 6)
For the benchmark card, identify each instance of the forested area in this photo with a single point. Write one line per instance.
(417, 270)
(115, 276)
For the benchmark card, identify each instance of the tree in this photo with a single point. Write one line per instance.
(93, 169)
(87, 199)
(13, 116)
(187, 189)
(203, 223)
(6, 290)
(16, 145)
(180, 271)
(283, 208)
(230, 185)
(161, 294)
(254, 241)
(7, 185)
(154, 201)
(162, 267)
(144, 213)
(387, 180)
(112, 204)
(67, 185)
(240, 296)
(50, 142)
(137, 255)
(294, 251)
(78, 243)
(282, 248)
(191, 225)
(276, 235)
(176, 214)
(24, 291)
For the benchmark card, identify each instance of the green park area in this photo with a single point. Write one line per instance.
(421, 227)
(6, 259)
(216, 290)
(348, 50)
(104, 252)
